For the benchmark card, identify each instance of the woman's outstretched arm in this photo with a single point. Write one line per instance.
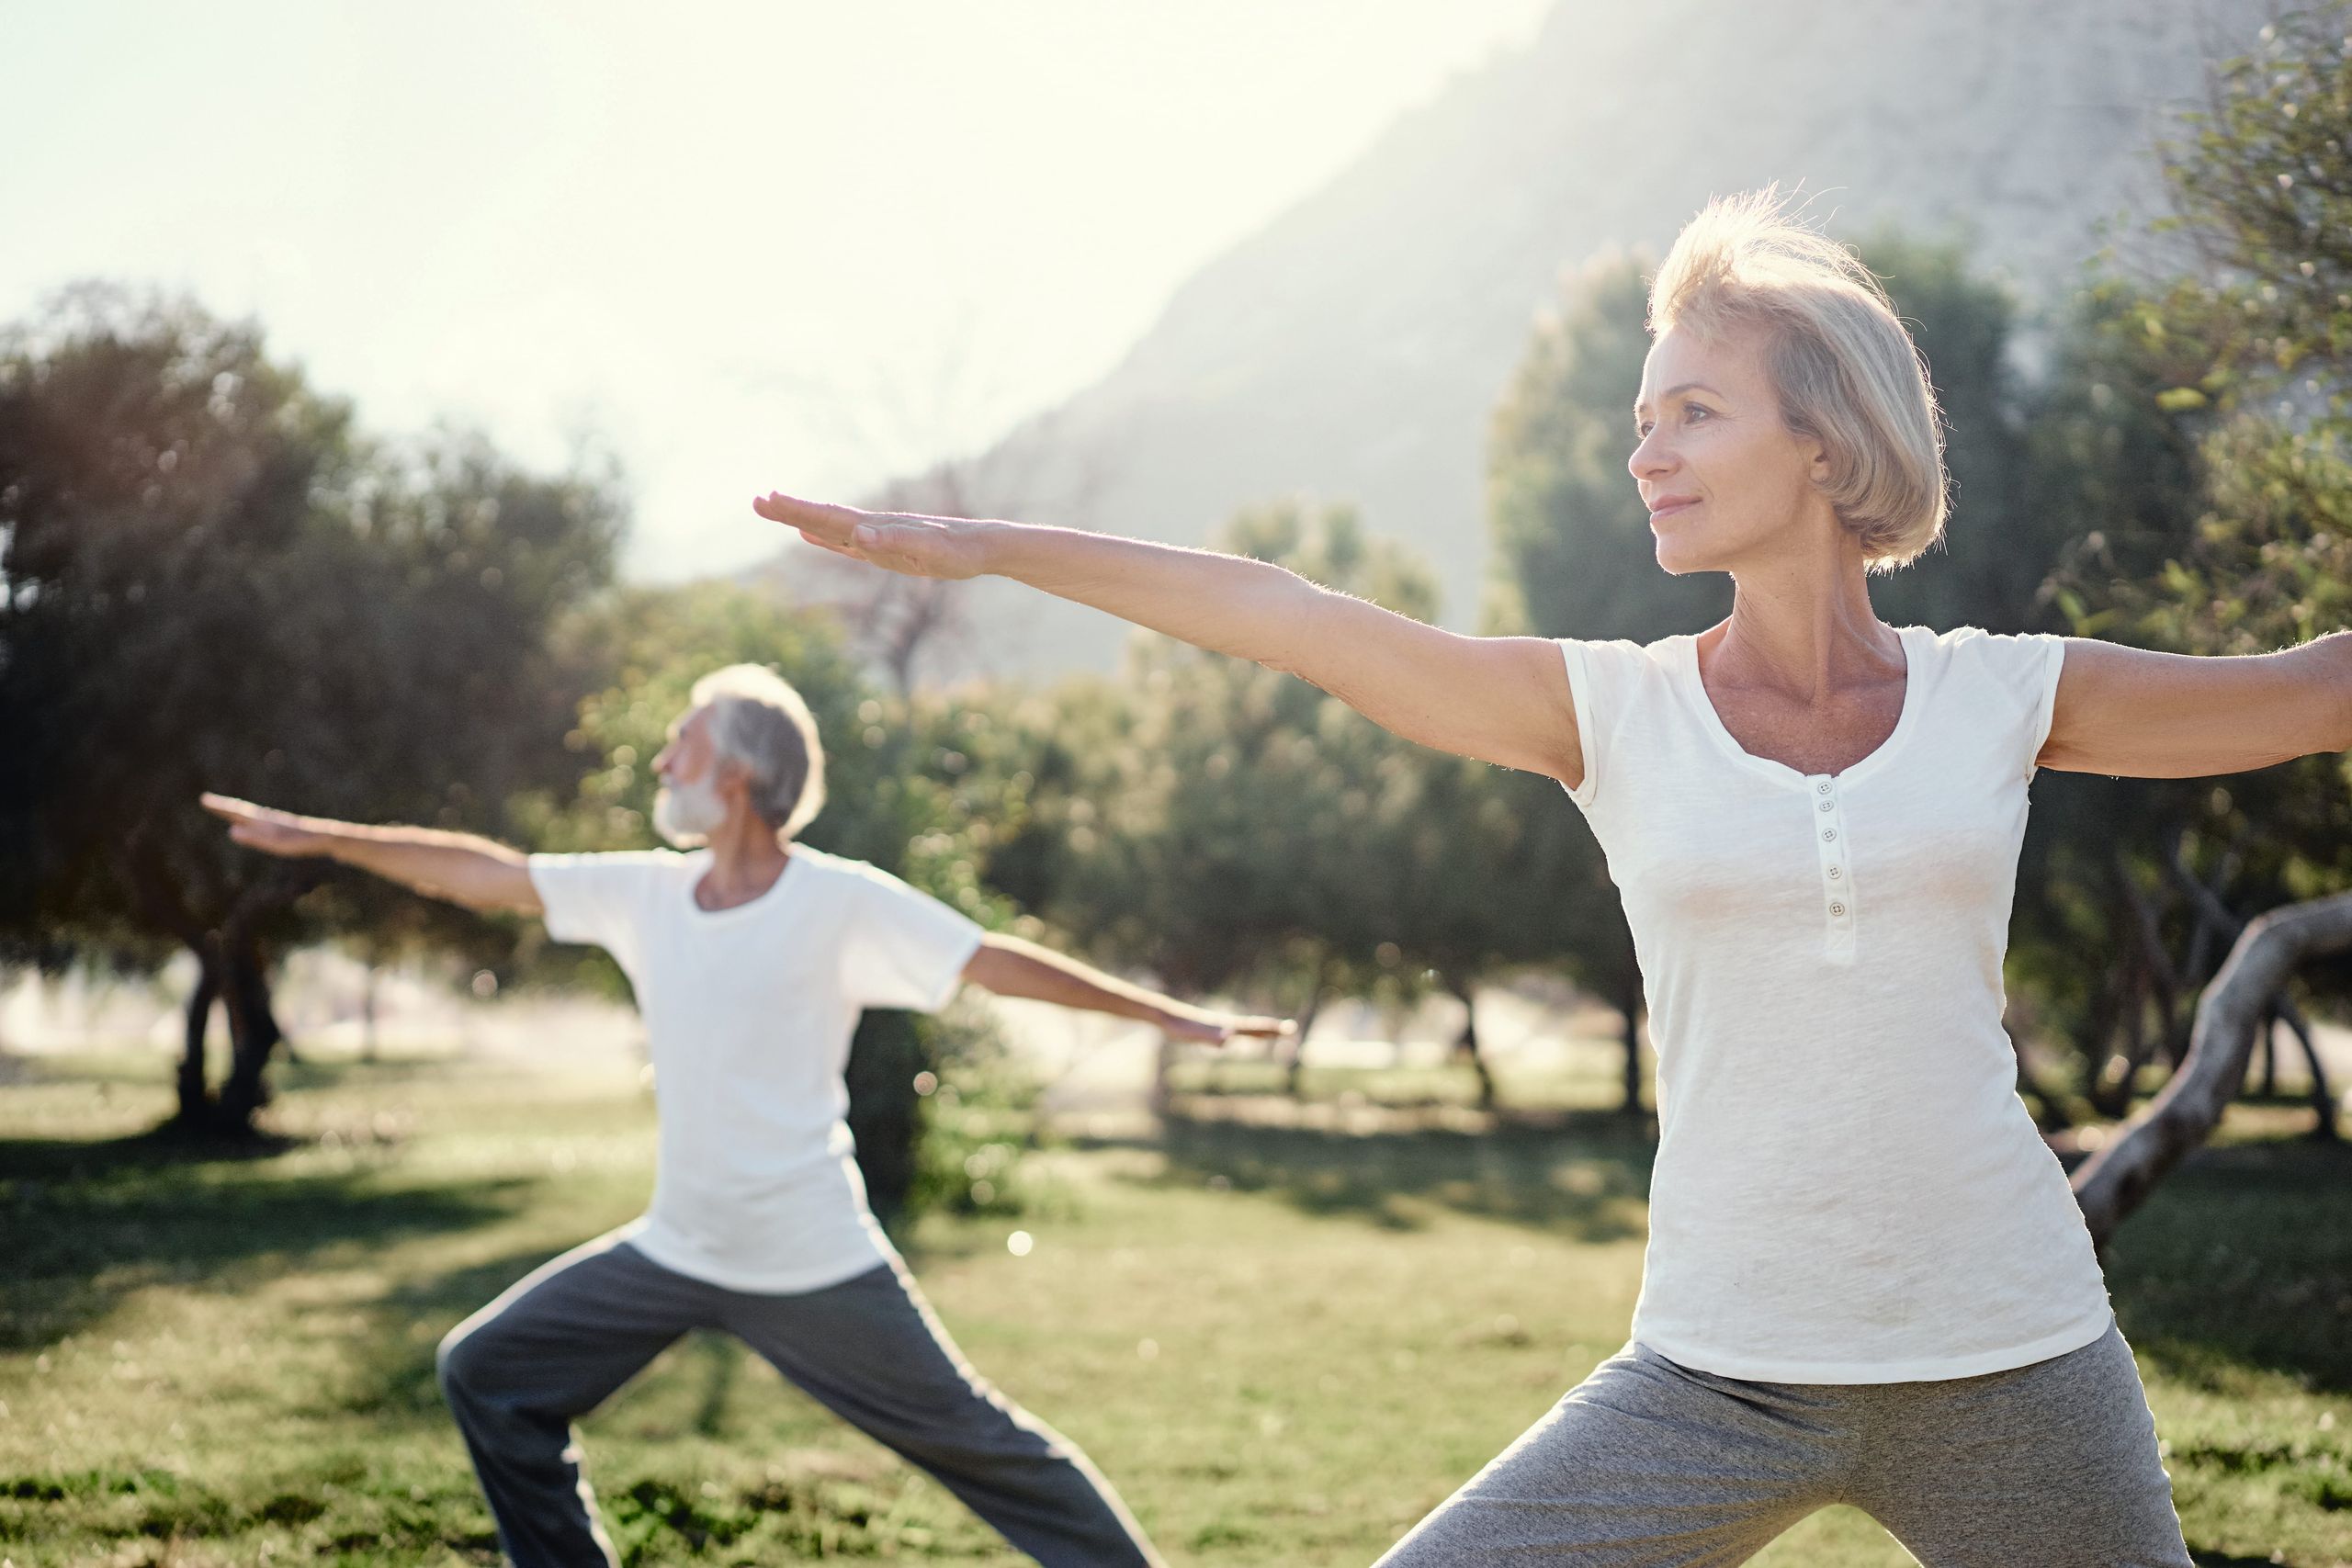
(1504, 700)
(2134, 714)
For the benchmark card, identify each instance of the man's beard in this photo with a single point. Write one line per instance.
(686, 814)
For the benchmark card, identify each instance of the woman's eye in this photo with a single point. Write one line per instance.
(1642, 429)
(1697, 412)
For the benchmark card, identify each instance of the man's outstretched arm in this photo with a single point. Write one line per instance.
(1010, 967)
(460, 868)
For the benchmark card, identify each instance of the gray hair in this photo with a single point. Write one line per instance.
(757, 719)
(1847, 374)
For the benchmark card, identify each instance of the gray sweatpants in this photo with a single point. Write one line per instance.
(519, 1372)
(1648, 1465)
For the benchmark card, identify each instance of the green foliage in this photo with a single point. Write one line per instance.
(2227, 527)
(1220, 820)
(978, 1127)
(210, 579)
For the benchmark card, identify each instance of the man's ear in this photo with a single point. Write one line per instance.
(732, 780)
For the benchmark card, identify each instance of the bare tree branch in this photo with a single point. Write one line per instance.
(2115, 1180)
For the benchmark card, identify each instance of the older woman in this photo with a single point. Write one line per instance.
(1866, 1282)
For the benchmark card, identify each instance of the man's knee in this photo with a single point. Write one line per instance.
(463, 1362)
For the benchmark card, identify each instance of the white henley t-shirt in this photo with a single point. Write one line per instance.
(748, 1016)
(1847, 1189)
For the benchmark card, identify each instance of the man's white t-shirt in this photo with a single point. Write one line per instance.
(748, 1016)
(1847, 1189)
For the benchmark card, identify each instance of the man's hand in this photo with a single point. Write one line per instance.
(268, 830)
(1010, 967)
(1223, 1028)
(458, 868)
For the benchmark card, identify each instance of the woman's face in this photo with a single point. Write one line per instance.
(1725, 481)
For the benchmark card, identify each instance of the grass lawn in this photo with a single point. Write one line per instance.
(1283, 1344)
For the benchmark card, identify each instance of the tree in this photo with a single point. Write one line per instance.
(1217, 823)
(2249, 356)
(212, 581)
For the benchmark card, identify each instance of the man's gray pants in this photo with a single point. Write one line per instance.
(520, 1371)
(1650, 1464)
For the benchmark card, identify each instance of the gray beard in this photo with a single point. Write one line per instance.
(686, 815)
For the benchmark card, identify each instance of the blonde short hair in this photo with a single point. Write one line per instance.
(1847, 374)
(759, 721)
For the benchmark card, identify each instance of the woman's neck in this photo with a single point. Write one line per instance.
(1803, 625)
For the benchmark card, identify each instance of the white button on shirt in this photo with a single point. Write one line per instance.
(1847, 1189)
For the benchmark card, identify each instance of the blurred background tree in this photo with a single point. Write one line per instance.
(213, 581)
(2236, 399)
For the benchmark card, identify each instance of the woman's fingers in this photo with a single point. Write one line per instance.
(228, 806)
(843, 550)
(818, 522)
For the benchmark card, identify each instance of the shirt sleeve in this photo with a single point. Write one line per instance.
(1598, 671)
(902, 948)
(2045, 662)
(595, 898)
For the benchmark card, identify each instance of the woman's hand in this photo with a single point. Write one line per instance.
(917, 546)
(1503, 700)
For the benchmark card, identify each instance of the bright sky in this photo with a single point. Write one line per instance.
(748, 246)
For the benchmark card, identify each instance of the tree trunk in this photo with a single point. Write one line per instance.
(2164, 980)
(2111, 1088)
(195, 1098)
(368, 1017)
(1631, 1012)
(1466, 1043)
(2323, 1093)
(253, 1036)
(1162, 1064)
(2114, 1182)
(2052, 1117)
(1295, 1080)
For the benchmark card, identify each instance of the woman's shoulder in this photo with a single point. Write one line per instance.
(1661, 653)
(1978, 637)
(2020, 666)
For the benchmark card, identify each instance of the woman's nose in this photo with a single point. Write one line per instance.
(1651, 458)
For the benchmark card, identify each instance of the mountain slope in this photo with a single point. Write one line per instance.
(1353, 347)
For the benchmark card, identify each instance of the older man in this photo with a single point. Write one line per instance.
(751, 957)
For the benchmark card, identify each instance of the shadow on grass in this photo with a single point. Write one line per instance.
(90, 1221)
(1581, 1175)
(2243, 1258)
(393, 1362)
